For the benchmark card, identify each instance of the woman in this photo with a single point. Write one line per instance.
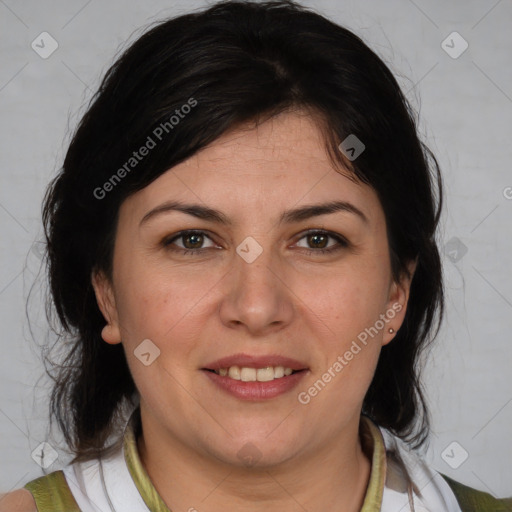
(241, 244)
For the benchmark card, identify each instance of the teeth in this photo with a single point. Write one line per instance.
(248, 374)
(234, 372)
(254, 374)
(265, 374)
(278, 372)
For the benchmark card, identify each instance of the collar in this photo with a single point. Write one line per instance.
(371, 440)
(374, 447)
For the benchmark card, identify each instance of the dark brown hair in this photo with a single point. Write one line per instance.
(238, 61)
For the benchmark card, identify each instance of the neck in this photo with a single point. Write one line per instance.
(334, 477)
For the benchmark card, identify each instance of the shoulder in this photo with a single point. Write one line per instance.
(473, 500)
(51, 492)
(17, 501)
(433, 487)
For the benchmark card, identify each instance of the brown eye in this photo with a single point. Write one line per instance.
(317, 242)
(191, 242)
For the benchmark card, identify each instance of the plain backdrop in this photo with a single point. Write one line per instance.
(465, 104)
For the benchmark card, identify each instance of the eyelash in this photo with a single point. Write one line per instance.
(342, 242)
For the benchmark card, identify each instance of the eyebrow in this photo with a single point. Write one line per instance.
(288, 216)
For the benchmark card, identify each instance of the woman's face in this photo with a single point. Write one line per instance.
(254, 288)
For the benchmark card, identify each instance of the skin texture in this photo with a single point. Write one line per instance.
(200, 307)
(17, 501)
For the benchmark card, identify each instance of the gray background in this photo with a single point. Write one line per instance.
(465, 105)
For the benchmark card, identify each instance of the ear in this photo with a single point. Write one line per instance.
(397, 302)
(106, 302)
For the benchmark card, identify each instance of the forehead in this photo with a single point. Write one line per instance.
(290, 141)
(269, 167)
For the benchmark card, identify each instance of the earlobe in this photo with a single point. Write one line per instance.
(106, 302)
(111, 334)
(397, 304)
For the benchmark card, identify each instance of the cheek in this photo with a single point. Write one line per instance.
(158, 304)
(349, 352)
(163, 309)
(348, 301)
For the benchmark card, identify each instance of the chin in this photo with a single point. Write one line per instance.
(256, 450)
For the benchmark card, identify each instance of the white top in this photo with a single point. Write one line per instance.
(107, 486)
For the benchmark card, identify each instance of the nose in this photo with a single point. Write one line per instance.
(258, 298)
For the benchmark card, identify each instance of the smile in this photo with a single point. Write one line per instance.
(247, 374)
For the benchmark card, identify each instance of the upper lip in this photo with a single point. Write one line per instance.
(249, 361)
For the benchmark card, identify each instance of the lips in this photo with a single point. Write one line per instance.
(256, 391)
(255, 378)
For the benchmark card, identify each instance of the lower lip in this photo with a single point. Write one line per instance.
(256, 390)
